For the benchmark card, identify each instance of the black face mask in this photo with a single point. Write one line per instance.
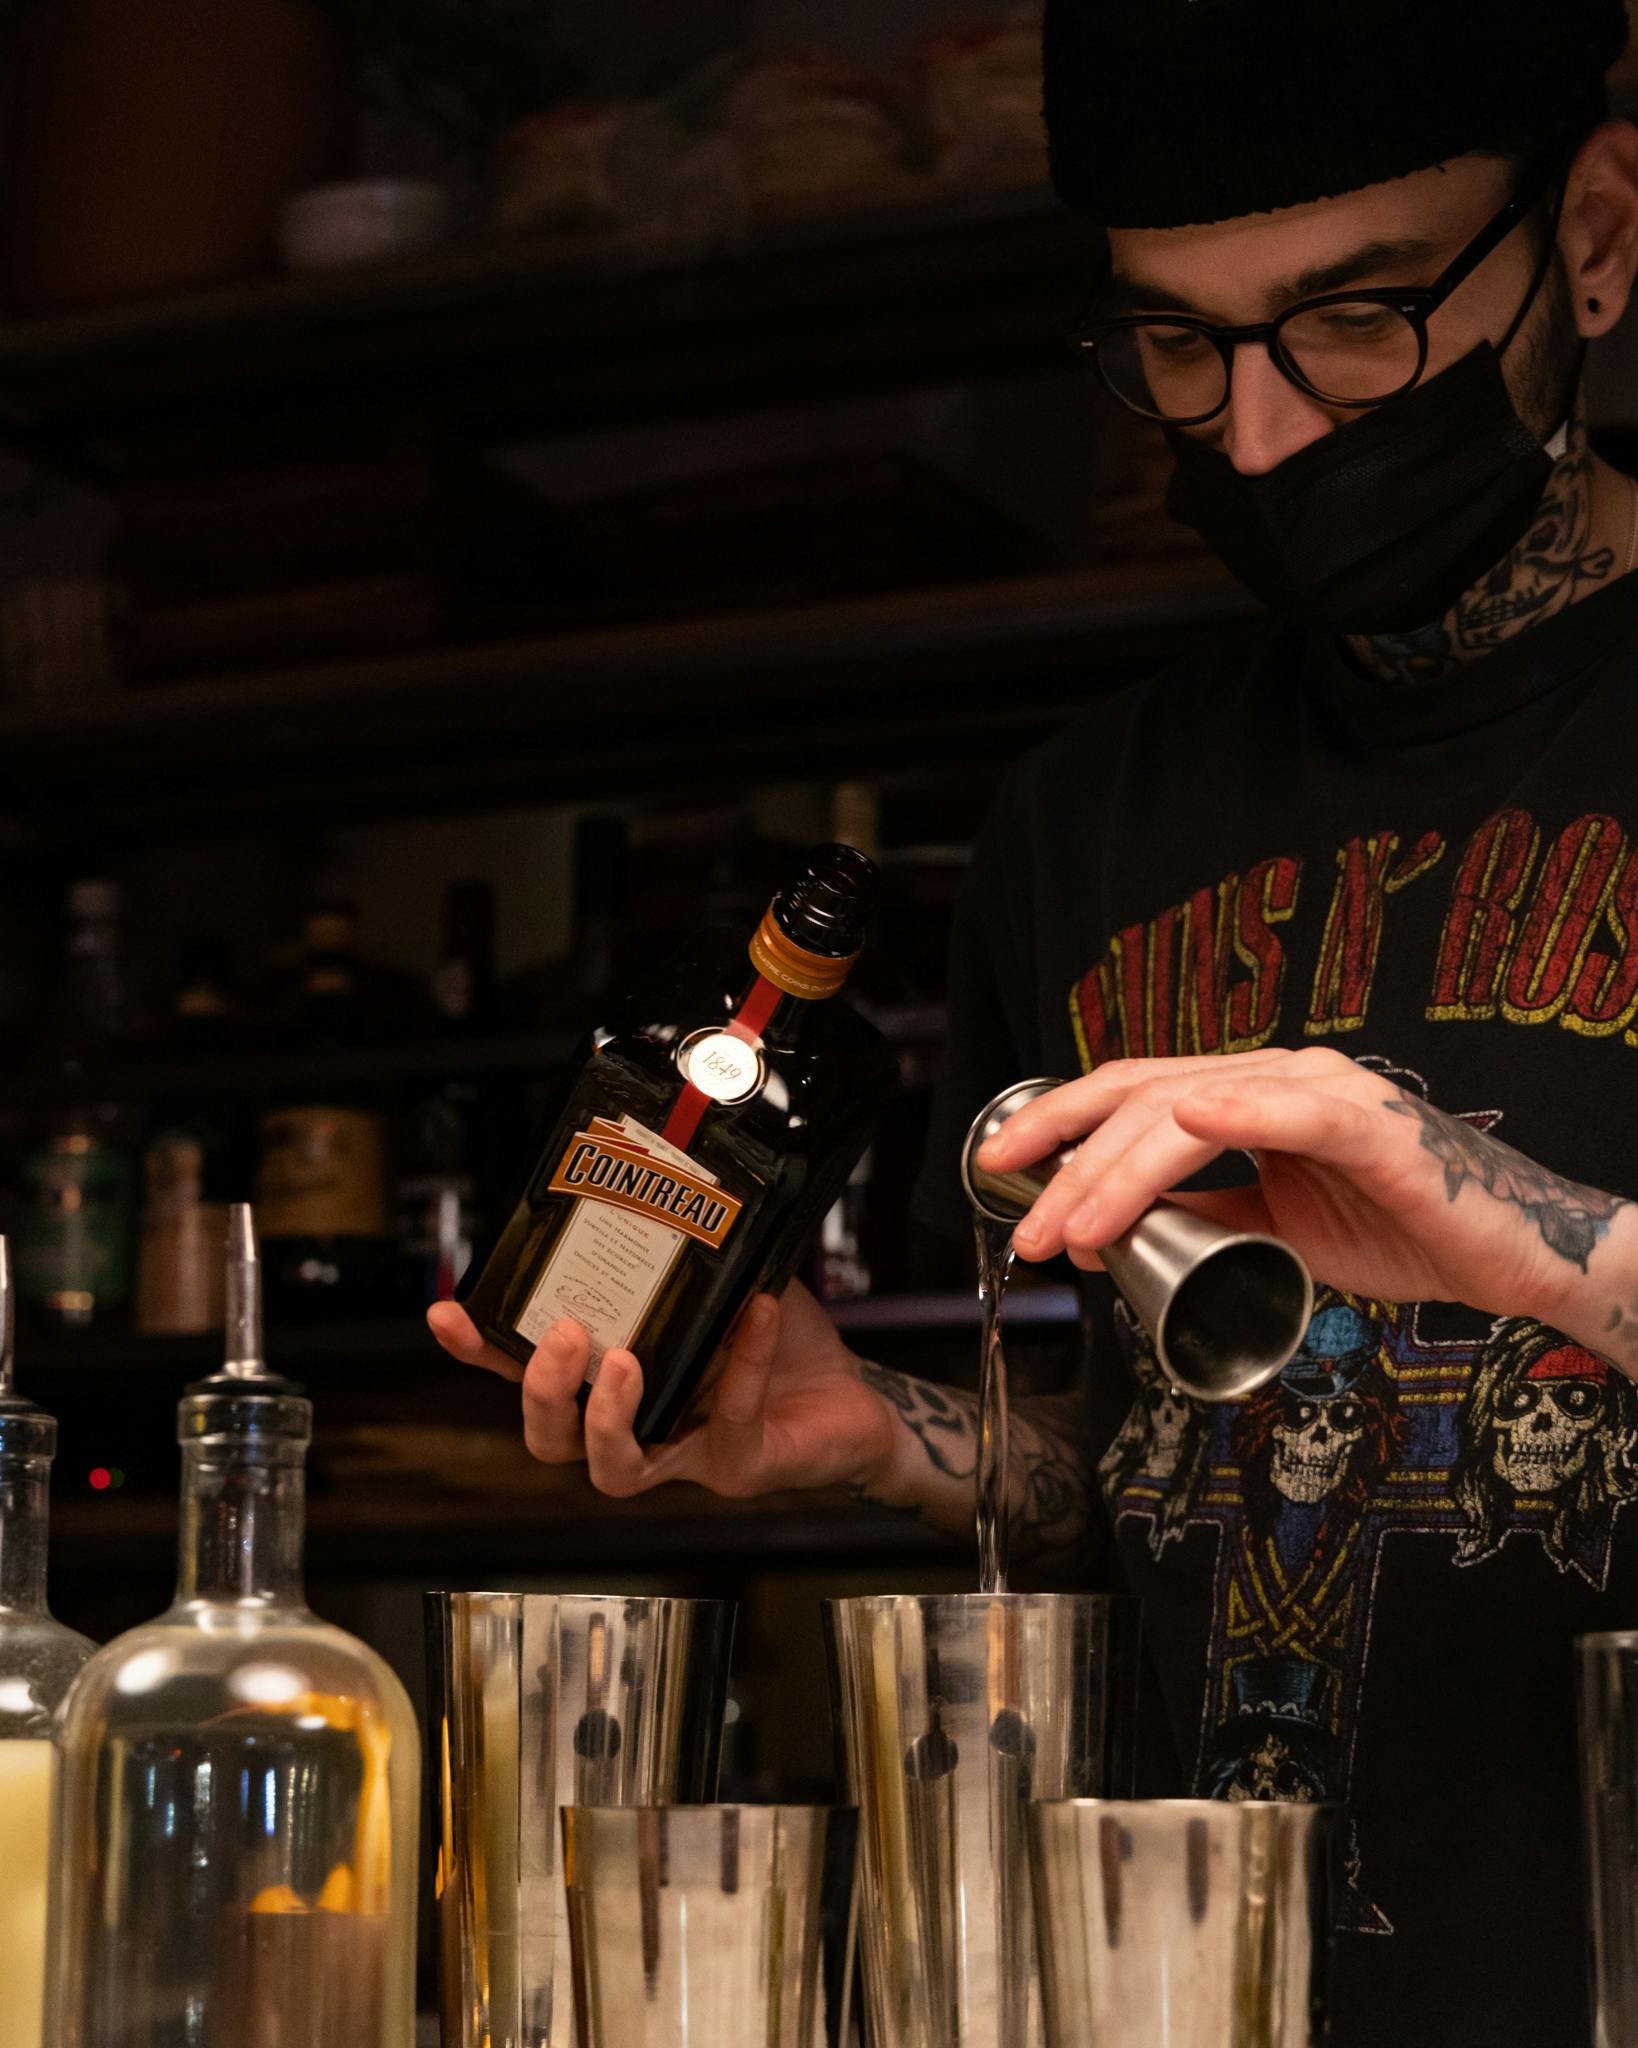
(1380, 525)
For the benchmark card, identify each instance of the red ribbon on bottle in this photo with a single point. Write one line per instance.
(747, 1026)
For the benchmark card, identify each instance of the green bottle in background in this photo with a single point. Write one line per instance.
(78, 1183)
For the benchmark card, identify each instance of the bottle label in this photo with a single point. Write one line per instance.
(638, 1202)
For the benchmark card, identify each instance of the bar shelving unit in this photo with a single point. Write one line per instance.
(483, 347)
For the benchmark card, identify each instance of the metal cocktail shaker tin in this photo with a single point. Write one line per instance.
(711, 1926)
(1183, 1923)
(540, 1701)
(1607, 1692)
(1226, 1308)
(952, 1712)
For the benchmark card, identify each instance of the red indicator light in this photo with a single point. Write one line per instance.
(101, 1479)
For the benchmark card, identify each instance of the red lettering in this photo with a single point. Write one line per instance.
(1353, 936)
(1093, 1014)
(1130, 953)
(1571, 891)
(1204, 974)
(1605, 997)
(1266, 898)
(1478, 932)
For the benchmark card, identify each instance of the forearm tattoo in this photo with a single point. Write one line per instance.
(1571, 1218)
(1050, 1491)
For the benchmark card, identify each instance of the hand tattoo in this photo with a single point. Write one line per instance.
(1571, 1218)
(946, 1423)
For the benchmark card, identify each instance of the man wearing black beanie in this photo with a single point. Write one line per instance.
(1360, 907)
(1340, 931)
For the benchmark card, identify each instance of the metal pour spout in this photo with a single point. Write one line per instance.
(1226, 1308)
(245, 1359)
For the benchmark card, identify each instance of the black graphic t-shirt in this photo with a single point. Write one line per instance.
(1363, 1583)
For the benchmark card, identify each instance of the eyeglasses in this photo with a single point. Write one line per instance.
(1345, 348)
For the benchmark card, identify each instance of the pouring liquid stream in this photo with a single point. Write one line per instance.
(995, 1264)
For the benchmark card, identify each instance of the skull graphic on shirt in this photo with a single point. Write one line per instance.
(1313, 1442)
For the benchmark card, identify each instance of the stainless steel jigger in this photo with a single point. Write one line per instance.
(1226, 1308)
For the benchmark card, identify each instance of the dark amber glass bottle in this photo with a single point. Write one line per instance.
(703, 1136)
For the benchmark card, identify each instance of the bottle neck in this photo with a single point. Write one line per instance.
(790, 1015)
(24, 1525)
(243, 1521)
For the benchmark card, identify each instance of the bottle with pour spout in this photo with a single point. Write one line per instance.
(38, 1662)
(237, 1822)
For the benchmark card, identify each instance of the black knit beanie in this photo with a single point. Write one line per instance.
(1167, 113)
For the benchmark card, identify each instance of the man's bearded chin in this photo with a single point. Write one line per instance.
(1547, 381)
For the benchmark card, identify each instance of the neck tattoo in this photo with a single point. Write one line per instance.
(1569, 552)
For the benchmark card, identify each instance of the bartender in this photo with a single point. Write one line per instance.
(1340, 929)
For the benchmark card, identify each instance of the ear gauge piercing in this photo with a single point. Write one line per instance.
(1593, 306)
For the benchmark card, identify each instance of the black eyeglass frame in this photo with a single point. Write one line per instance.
(1417, 303)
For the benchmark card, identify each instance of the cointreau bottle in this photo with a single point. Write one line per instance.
(698, 1146)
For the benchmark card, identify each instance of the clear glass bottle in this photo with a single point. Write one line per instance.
(238, 1812)
(38, 1662)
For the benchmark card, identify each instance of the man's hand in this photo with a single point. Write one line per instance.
(790, 1406)
(1381, 1193)
(786, 1407)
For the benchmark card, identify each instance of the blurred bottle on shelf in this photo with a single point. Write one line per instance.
(79, 1201)
(195, 1162)
(440, 1138)
(570, 991)
(437, 1192)
(321, 1184)
(206, 1020)
(841, 1269)
(856, 817)
(179, 1262)
(842, 1257)
(74, 1261)
(93, 1008)
(464, 990)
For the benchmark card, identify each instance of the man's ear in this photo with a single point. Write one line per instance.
(1598, 227)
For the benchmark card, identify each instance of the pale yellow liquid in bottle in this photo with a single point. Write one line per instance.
(26, 1770)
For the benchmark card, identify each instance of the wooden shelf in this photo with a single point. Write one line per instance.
(554, 336)
(386, 1349)
(845, 688)
(567, 1529)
